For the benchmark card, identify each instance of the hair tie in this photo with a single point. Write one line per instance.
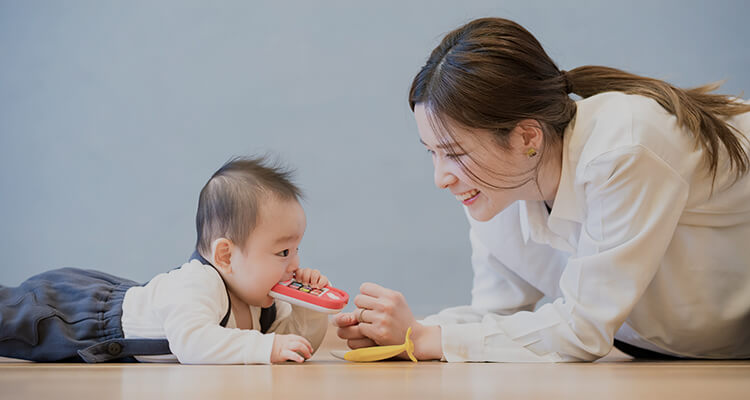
(566, 79)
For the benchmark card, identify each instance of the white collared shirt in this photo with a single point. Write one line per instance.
(636, 247)
(186, 305)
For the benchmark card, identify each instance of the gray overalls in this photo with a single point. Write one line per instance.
(74, 315)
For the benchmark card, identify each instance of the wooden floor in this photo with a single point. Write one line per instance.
(324, 377)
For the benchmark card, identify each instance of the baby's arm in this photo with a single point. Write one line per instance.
(191, 303)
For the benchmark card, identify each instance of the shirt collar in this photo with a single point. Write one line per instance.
(569, 200)
(567, 214)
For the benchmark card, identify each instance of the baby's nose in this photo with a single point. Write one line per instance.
(292, 270)
(294, 265)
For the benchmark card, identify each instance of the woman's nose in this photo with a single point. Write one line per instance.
(443, 177)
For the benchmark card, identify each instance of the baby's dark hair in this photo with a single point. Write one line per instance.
(230, 201)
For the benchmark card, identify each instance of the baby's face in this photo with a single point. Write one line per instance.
(271, 253)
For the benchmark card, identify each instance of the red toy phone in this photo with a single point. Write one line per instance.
(327, 300)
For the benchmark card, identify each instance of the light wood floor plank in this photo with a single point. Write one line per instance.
(324, 377)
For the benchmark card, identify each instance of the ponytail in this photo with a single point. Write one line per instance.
(697, 109)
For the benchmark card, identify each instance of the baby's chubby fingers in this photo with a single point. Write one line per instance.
(290, 347)
(302, 347)
(322, 281)
(292, 356)
(303, 275)
(311, 277)
(317, 280)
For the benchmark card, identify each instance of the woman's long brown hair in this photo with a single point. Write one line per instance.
(492, 73)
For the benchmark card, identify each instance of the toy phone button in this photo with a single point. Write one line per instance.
(333, 296)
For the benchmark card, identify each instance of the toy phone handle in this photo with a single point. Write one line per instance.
(330, 302)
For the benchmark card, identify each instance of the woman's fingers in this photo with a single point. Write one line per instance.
(382, 318)
(382, 335)
(350, 332)
(374, 333)
(365, 301)
(359, 343)
(345, 319)
(373, 289)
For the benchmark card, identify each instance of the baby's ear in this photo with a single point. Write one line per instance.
(222, 255)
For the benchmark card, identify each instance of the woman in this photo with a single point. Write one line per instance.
(630, 208)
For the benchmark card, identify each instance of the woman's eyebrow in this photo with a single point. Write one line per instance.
(451, 145)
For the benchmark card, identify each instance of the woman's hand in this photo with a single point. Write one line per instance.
(349, 330)
(382, 318)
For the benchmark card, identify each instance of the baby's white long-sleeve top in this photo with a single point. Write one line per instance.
(186, 306)
(636, 247)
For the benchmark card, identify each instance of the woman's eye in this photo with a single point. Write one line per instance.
(283, 253)
(447, 155)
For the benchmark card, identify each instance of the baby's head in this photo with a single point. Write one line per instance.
(250, 224)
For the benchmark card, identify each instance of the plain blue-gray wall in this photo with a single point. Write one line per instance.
(114, 114)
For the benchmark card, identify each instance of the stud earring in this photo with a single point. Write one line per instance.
(531, 152)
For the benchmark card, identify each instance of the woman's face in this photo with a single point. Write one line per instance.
(486, 159)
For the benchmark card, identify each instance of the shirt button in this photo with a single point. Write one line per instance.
(114, 348)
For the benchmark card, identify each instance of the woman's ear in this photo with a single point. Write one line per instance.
(527, 134)
(222, 255)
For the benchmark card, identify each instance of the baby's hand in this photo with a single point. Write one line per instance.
(311, 277)
(290, 347)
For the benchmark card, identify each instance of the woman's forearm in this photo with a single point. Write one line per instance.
(428, 342)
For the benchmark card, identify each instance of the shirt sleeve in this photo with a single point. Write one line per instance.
(634, 201)
(192, 303)
(496, 289)
(291, 319)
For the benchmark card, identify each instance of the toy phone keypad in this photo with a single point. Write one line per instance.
(327, 300)
(304, 288)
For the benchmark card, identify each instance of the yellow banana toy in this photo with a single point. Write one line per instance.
(378, 353)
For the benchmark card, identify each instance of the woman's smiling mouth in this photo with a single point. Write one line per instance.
(468, 197)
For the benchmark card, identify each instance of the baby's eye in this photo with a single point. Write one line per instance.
(432, 153)
(454, 155)
(283, 253)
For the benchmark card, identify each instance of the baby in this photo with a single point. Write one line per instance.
(214, 309)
